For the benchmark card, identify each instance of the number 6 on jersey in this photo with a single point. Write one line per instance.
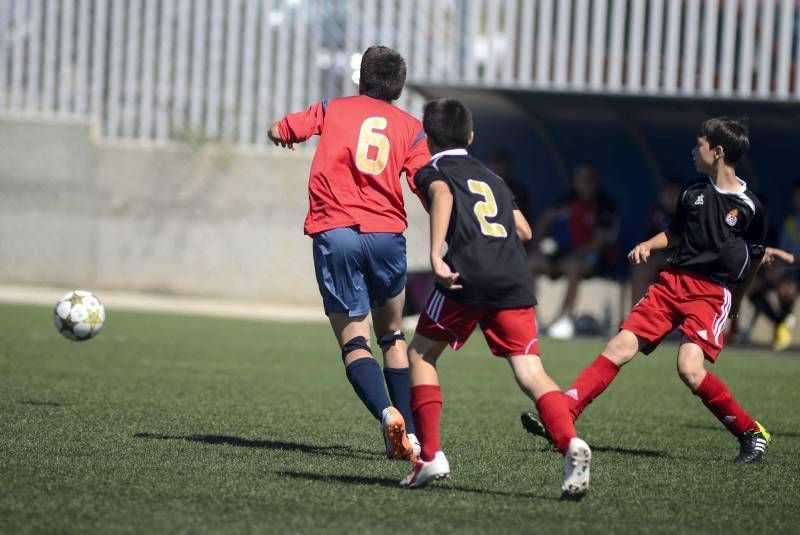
(486, 208)
(367, 138)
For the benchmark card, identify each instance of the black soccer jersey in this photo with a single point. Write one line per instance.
(482, 242)
(717, 233)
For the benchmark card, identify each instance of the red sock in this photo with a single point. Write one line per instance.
(719, 400)
(426, 404)
(590, 384)
(554, 411)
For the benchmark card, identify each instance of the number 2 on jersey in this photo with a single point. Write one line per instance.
(486, 208)
(367, 138)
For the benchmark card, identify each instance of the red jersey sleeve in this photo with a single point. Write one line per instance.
(298, 127)
(417, 157)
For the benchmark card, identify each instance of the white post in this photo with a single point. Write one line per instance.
(180, 91)
(215, 45)
(492, 20)
(690, 40)
(510, 17)
(300, 54)
(579, 40)
(34, 55)
(280, 103)
(747, 41)
(525, 66)
(165, 60)
(710, 35)
(115, 67)
(99, 44)
(198, 68)
(232, 69)
(131, 69)
(654, 33)
(81, 78)
(50, 46)
(66, 71)
(246, 119)
(148, 71)
(597, 66)
(421, 44)
(616, 54)
(563, 43)
(766, 46)
(543, 43)
(784, 48)
(264, 116)
(474, 24)
(18, 39)
(673, 43)
(635, 47)
(728, 49)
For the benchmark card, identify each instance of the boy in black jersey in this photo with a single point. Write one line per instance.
(482, 280)
(718, 231)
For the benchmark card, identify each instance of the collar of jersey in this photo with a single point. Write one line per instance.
(450, 152)
(739, 191)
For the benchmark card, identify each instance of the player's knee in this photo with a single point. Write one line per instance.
(388, 340)
(358, 343)
(691, 374)
(622, 348)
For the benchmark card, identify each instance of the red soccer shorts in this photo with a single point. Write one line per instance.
(508, 331)
(693, 302)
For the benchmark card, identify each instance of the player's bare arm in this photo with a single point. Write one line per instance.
(524, 232)
(772, 254)
(274, 135)
(441, 206)
(641, 252)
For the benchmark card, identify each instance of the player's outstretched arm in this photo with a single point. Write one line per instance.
(441, 207)
(641, 252)
(524, 232)
(771, 254)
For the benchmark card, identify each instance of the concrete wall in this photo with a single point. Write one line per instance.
(211, 220)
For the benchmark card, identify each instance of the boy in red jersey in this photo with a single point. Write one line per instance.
(356, 220)
(718, 231)
(482, 280)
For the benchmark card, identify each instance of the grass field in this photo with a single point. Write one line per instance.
(172, 424)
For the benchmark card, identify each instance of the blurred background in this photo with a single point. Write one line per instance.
(133, 154)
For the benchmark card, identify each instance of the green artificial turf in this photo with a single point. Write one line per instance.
(182, 424)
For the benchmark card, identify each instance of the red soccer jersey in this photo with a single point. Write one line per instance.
(355, 176)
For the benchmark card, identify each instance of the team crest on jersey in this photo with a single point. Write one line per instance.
(699, 200)
(732, 217)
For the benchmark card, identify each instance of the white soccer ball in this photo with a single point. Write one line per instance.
(79, 315)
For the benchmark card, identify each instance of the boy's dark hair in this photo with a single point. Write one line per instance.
(447, 123)
(383, 73)
(730, 134)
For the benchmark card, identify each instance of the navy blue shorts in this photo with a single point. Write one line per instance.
(358, 272)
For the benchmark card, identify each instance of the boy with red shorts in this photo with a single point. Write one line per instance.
(482, 280)
(356, 220)
(718, 231)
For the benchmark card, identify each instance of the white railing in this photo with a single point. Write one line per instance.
(156, 70)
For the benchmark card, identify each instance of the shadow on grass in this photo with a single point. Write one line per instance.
(394, 483)
(41, 403)
(631, 451)
(227, 440)
(775, 432)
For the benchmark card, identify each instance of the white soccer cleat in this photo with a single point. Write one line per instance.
(562, 328)
(424, 472)
(577, 461)
(394, 435)
(416, 447)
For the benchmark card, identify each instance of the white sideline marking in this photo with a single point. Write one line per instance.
(118, 300)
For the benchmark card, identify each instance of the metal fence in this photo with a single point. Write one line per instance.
(156, 70)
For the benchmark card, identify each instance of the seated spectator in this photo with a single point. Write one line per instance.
(501, 164)
(575, 238)
(645, 274)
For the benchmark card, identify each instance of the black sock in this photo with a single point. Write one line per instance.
(399, 383)
(365, 376)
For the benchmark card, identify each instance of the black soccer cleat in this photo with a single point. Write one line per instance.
(532, 425)
(753, 444)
